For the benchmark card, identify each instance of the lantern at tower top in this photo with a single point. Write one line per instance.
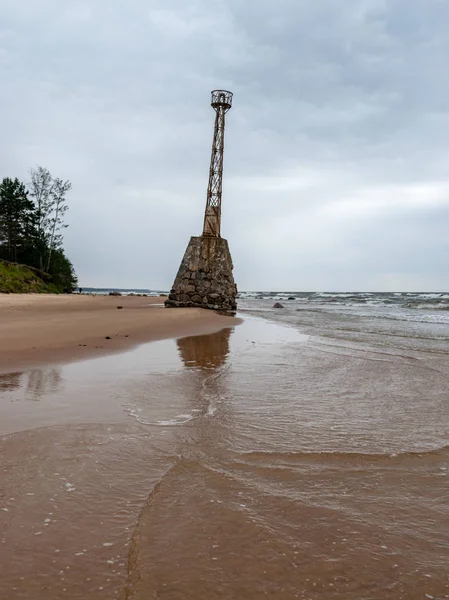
(221, 99)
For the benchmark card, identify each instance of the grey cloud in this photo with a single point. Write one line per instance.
(336, 149)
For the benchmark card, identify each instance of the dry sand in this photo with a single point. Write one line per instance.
(38, 329)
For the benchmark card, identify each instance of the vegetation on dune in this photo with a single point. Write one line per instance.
(31, 226)
(18, 279)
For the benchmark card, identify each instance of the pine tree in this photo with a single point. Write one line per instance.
(17, 219)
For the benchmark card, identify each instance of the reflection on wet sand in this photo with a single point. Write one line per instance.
(10, 382)
(33, 385)
(206, 357)
(205, 351)
(42, 382)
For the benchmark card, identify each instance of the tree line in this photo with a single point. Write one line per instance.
(32, 221)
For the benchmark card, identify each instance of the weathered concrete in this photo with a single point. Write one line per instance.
(205, 276)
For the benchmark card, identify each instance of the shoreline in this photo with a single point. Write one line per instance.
(45, 329)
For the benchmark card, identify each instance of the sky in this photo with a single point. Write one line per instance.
(336, 171)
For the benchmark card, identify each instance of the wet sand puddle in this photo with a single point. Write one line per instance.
(244, 464)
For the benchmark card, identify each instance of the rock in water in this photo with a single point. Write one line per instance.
(278, 305)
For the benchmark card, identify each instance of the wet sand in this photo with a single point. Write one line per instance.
(253, 462)
(38, 329)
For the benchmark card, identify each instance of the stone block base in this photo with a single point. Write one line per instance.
(205, 276)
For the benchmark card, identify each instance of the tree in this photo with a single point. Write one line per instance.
(62, 272)
(56, 220)
(50, 200)
(31, 227)
(41, 184)
(17, 218)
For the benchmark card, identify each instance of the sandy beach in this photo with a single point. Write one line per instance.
(38, 329)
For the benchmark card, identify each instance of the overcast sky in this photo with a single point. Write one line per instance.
(336, 164)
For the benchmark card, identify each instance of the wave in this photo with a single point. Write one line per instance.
(423, 300)
(437, 304)
(124, 291)
(343, 295)
(334, 456)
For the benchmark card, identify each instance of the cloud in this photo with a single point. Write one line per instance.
(336, 147)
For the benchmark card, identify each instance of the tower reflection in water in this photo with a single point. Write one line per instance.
(206, 360)
(205, 351)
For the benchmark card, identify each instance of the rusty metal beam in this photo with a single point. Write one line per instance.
(221, 102)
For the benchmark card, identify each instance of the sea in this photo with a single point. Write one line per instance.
(343, 300)
(301, 454)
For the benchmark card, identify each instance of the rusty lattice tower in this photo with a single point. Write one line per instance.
(221, 102)
(205, 276)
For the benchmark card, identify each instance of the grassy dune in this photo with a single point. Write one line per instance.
(19, 279)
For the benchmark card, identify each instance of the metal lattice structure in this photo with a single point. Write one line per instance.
(221, 102)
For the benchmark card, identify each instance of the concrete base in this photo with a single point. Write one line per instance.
(205, 276)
